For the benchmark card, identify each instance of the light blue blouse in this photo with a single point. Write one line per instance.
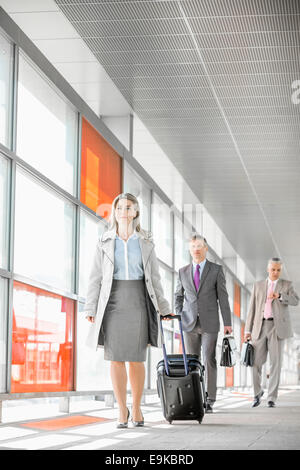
(128, 262)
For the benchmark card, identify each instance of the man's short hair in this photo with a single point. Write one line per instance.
(197, 236)
(274, 260)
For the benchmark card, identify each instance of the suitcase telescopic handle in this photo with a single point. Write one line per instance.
(172, 317)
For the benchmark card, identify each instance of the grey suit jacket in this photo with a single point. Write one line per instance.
(205, 302)
(280, 309)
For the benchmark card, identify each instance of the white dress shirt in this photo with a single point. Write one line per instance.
(202, 264)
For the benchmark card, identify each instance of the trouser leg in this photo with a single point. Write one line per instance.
(209, 343)
(260, 356)
(275, 346)
(192, 340)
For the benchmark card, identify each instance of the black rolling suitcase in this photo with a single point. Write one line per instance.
(180, 383)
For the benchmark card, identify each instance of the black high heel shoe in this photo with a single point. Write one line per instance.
(138, 424)
(124, 425)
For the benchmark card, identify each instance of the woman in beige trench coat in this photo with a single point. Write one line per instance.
(124, 302)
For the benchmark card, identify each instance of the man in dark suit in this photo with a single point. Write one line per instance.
(200, 291)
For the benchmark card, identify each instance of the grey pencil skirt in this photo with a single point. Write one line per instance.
(125, 322)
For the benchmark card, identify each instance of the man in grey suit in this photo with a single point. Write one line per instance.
(200, 290)
(268, 324)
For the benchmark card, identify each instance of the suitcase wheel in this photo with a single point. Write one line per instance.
(170, 421)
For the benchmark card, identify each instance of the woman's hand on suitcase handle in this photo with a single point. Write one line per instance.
(91, 319)
(247, 337)
(166, 317)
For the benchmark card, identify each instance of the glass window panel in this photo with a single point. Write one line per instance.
(46, 128)
(6, 73)
(230, 288)
(244, 304)
(242, 334)
(136, 186)
(90, 232)
(237, 337)
(181, 248)
(92, 371)
(237, 331)
(42, 349)
(101, 171)
(4, 202)
(44, 231)
(3, 332)
(162, 229)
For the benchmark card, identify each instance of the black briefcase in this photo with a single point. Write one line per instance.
(228, 352)
(247, 354)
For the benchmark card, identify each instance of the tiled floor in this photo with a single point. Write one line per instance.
(233, 425)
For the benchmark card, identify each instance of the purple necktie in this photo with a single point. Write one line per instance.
(197, 277)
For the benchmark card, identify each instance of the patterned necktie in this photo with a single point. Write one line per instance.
(197, 277)
(268, 305)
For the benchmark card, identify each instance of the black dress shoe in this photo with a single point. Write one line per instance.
(257, 399)
(271, 404)
(208, 408)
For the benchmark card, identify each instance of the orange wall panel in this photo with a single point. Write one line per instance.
(101, 171)
(237, 300)
(242, 332)
(42, 341)
(229, 376)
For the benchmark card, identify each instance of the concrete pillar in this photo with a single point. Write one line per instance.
(64, 404)
(109, 400)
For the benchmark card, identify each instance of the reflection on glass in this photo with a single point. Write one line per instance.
(42, 350)
(92, 371)
(44, 228)
(181, 241)
(46, 128)
(6, 68)
(101, 171)
(230, 289)
(4, 198)
(3, 333)
(162, 230)
(136, 186)
(90, 231)
(237, 300)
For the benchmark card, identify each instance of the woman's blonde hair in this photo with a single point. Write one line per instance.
(136, 221)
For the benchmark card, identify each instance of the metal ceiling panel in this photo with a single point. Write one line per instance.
(212, 81)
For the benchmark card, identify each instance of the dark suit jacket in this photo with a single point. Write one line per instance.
(205, 302)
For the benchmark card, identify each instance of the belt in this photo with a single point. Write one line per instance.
(268, 319)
